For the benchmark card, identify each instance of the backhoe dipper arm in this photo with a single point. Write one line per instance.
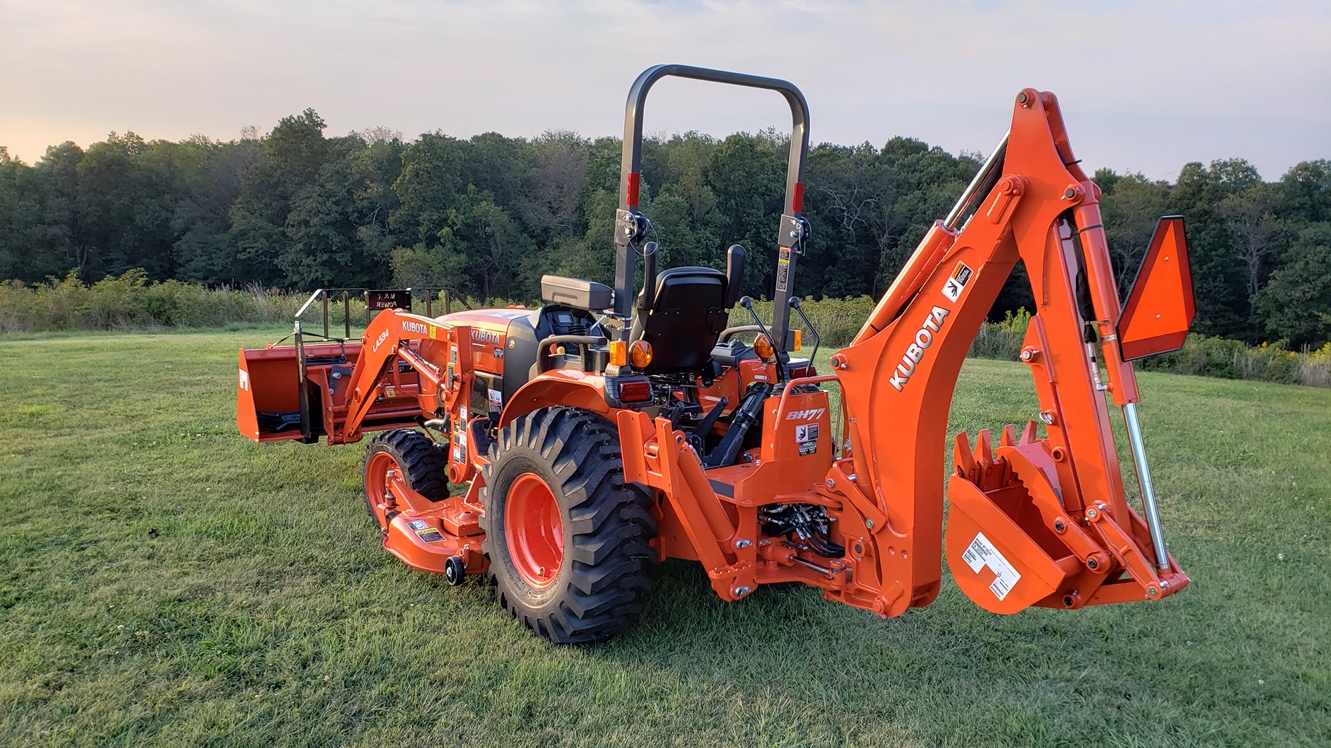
(899, 374)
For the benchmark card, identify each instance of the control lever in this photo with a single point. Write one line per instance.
(782, 358)
(817, 339)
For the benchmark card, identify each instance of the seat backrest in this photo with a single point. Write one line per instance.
(687, 316)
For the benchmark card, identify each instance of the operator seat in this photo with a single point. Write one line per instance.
(687, 315)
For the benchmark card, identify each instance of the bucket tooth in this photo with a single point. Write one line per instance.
(1008, 437)
(1027, 434)
(984, 454)
(963, 463)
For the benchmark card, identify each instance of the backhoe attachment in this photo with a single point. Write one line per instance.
(1038, 519)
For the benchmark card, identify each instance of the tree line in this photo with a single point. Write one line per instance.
(297, 209)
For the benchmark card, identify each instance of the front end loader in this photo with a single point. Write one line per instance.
(613, 428)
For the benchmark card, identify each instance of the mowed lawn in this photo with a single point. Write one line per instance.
(165, 581)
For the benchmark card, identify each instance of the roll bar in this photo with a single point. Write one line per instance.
(631, 225)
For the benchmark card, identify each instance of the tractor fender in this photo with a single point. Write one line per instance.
(575, 389)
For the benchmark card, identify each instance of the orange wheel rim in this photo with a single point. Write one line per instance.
(534, 529)
(381, 467)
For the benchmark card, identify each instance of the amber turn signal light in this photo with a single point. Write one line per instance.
(618, 353)
(640, 354)
(762, 345)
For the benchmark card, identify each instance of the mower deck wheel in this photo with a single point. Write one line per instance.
(423, 466)
(568, 540)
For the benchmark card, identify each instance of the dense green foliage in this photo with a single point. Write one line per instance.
(296, 209)
(131, 302)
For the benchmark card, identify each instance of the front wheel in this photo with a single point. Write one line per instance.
(411, 454)
(568, 540)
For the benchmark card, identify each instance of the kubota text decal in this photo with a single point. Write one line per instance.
(923, 339)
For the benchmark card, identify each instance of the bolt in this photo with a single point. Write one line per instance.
(1059, 527)
(742, 591)
(1153, 591)
(868, 523)
(1021, 98)
(742, 543)
(1069, 193)
(1092, 514)
(540, 571)
(1047, 418)
(1092, 564)
(830, 483)
(1028, 355)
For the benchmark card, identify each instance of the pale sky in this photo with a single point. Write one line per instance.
(1144, 86)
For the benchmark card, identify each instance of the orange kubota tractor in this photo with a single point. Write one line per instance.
(609, 429)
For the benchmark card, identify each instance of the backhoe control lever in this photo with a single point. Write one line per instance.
(817, 339)
(782, 358)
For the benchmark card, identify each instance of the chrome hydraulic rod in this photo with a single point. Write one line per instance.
(981, 177)
(1144, 482)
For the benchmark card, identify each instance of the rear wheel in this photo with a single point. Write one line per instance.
(568, 540)
(411, 454)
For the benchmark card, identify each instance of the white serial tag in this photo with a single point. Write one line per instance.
(983, 553)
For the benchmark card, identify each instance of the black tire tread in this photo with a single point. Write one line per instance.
(425, 464)
(609, 525)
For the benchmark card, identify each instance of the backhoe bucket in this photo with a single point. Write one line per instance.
(1012, 544)
(1001, 553)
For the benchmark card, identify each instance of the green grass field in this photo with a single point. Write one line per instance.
(165, 581)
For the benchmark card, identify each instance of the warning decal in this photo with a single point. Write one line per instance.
(806, 434)
(956, 282)
(983, 553)
(783, 269)
(424, 531)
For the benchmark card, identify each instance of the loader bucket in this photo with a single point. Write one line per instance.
(267, 399)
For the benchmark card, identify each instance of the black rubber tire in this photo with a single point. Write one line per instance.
(424, 464)
(602, 583)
